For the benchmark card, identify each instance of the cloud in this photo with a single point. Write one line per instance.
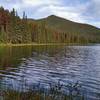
(96, 7)
(39, 2)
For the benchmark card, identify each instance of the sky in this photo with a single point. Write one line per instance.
(82, 11)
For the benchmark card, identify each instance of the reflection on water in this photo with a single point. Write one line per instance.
(33, 64)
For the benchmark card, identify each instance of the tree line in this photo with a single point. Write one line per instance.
(15, 30)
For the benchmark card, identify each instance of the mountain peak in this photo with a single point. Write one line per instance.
(56, 18)
(52, 16)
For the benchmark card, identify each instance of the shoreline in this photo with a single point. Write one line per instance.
(45, 44)
(34, 44)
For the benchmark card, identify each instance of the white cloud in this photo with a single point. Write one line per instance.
(71, 13)
(32, 2)
(40, 2)
(96, 6)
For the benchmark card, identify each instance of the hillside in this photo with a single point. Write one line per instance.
(70, 31)
(64, 25)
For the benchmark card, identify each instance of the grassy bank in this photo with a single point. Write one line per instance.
(40, 44)
(34, 44)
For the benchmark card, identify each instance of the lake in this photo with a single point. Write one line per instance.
(44, 64)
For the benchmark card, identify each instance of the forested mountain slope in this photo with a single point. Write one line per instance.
(77, 32)
(64, 25)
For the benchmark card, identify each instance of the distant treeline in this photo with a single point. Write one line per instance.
(52, 29)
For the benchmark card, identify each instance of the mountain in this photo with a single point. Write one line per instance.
(70, 29)
(64, 25)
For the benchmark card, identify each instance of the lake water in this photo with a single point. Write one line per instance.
(45, 64)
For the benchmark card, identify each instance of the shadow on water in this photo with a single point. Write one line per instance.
(11, 56)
